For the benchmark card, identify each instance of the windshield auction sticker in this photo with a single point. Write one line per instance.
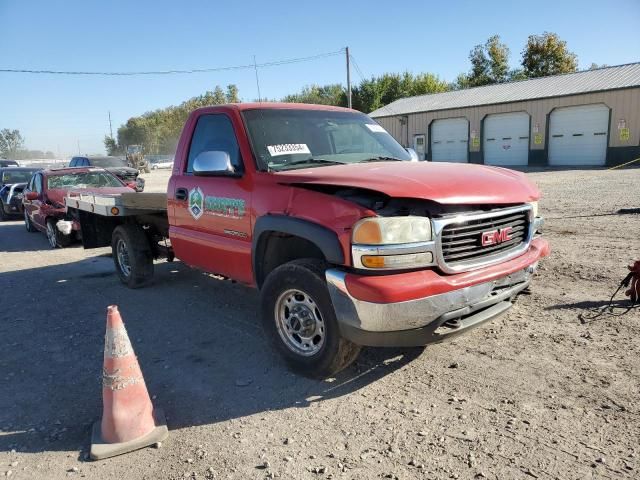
(374, 127)
(288, 149)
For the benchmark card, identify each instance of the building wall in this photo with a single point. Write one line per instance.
(623, 104)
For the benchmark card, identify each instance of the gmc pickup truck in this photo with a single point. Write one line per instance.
(350, 242)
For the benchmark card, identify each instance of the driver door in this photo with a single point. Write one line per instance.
(212, 229)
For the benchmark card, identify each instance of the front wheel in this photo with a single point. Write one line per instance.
(299, 319)
(55, 237)
(132, 256)
(3, 215)
(27, 222)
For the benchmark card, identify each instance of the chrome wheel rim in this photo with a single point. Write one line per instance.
(300, 323)
(123, 257)
(51, 235)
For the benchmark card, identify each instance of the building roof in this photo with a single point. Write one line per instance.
(606, 78)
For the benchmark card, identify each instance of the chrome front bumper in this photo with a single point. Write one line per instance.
(424, 320)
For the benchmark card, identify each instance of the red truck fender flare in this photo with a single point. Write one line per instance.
(325, 239)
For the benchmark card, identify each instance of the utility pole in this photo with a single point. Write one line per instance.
(79, 147)
(110, 129)
(255, 66)
(348, 80)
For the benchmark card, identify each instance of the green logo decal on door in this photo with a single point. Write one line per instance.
(217, 206)
(196, 203)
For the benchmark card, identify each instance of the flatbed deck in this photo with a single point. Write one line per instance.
(119, 205)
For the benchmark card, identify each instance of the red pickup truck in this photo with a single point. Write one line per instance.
(350, 242)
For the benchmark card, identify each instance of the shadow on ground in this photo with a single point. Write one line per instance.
(198, 340)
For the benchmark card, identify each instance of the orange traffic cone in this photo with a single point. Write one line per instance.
(129, 421)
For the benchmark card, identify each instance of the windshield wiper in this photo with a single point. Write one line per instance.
(312, 161)
(381, 159)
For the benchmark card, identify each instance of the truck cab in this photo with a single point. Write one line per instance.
(350, 242)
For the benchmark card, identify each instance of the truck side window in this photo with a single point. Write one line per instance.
(214, 133)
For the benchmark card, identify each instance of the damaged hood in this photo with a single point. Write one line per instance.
(446, 183)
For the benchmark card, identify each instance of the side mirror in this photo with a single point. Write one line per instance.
(139, 184)
(212, 163)
(414, 155)
(31, 196)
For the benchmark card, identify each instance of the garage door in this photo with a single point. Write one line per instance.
(578, 135)
(450, 140)
(506, 139)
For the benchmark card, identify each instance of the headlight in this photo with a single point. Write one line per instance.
(534, 205)
(391, 230)
(392, 243)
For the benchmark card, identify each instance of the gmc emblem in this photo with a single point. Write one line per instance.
(495, 237)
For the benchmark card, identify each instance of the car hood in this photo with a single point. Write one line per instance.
(57, 195)
(446, 183)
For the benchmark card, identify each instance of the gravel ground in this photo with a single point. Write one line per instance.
(534, 394)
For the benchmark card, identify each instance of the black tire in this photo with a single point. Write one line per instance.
(27, 223)
(56, 238)
(3, 215)
(134, 264)
(306, 276)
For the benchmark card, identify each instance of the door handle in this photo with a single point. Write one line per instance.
(181, 193)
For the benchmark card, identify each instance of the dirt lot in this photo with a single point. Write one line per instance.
(535, 394)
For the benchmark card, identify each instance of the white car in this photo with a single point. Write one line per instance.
(159, 165)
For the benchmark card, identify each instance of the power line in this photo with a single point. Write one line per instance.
(174, 72)
(362, 77)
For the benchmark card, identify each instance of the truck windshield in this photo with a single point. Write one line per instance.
(83, 180)
(284, 139)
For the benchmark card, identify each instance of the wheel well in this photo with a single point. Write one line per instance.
(275, 249)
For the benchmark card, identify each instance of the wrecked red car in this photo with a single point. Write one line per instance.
(43, 199)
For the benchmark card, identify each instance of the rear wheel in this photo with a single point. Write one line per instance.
(299, 318)
(132, 256)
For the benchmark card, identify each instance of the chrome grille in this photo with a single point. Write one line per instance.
(461, 239)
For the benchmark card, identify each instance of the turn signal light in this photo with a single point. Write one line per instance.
(115, 211)
(410, 260)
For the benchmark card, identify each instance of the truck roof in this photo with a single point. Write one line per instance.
(274, 106)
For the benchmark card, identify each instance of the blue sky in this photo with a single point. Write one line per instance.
(56, 112)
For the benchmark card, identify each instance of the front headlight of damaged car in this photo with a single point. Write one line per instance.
(392, 243)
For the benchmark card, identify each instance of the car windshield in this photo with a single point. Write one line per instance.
(108, 162)
(83, 180)
(16, 176)
(285, 139)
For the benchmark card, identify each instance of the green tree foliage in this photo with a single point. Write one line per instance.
(377, 92)
(333, 94)
(11, 141)
(546, 55)
(158, 131)
(489, 64)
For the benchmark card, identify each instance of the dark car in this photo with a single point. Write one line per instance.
(12, 183)
(116, 165)
(43, 199)
(8, 163)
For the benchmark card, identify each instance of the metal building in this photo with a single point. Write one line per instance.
(584, 118)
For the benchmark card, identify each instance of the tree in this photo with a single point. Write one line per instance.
(489, 63)
(111, 146)
(10, 142)
(232, 94)
(333, 94)
(546, 55)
